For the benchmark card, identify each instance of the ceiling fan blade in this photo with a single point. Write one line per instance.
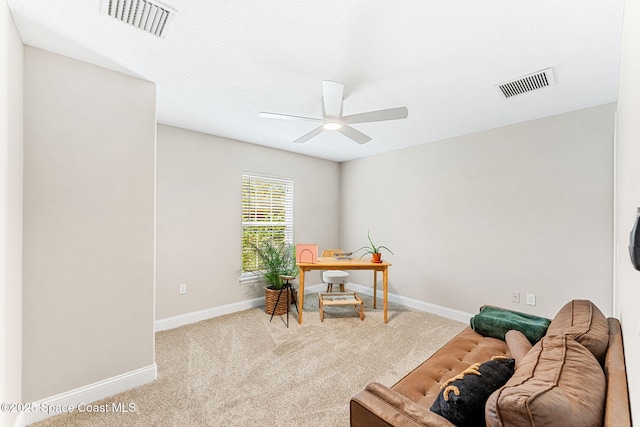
(354, 134)
(332, 94)
(377, 116)
(308, 136)
(288, 117)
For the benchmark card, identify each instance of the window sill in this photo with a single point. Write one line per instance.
(250, 280)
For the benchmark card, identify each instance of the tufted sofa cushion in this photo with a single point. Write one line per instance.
(558, 383)
(584, 322)
(422, 385)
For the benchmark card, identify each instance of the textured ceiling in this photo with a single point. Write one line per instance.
(222, 62)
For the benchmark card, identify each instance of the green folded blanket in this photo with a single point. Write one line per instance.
(496, 322)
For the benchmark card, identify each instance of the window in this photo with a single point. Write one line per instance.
(267, 213)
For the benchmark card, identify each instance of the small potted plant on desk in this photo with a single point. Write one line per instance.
(376, 255)
(276, 259)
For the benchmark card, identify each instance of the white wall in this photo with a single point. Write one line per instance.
(199, 215)
(89, 172)
(505, 174)
(11, 140)
(628, 196)
(525, 208)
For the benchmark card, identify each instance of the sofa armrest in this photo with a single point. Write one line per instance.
(617, 409)
(379, 406)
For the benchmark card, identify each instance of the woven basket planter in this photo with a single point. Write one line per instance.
(270, 298)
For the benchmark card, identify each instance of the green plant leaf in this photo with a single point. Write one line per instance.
(386, 248)
(372, 248)
(276, 259)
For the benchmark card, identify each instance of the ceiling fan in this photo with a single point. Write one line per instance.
(333, 120)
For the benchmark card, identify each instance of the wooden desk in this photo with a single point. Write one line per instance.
(330, 263)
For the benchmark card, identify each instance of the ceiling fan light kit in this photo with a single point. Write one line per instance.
(332, 125)
(333, 120)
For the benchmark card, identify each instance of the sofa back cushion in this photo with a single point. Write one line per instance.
(585, 323)
(558, 383)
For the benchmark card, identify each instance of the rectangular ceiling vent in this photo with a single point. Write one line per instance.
(528, 83)
(152, 17)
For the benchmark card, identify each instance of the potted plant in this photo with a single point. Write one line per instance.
(276, 259)
(376, 255)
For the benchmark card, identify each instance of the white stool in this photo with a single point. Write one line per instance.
(336, 277)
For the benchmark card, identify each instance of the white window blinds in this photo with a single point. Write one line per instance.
(267, 213)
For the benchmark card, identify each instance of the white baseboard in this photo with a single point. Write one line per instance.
(439, 310)
(129, 380)
(315, 288)
(20, 421)
(197, 316)
(55, 405)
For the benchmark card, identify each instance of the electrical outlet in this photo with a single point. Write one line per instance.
(182, 289)
(515, 297)
(531, 299)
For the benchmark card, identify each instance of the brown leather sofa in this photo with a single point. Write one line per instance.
(408, 402)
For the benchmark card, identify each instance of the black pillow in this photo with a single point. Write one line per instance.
(461, 399)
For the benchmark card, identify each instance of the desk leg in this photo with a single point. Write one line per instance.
(375, 285)
(301, 296)
(385, 284)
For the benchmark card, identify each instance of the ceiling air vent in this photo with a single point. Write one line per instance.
(152, 17)
(534, 81)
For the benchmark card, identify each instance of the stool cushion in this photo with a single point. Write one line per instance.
(335, 276)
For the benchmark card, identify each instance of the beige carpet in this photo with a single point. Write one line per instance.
(241, 370)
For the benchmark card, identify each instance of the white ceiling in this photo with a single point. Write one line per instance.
(221, 62)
